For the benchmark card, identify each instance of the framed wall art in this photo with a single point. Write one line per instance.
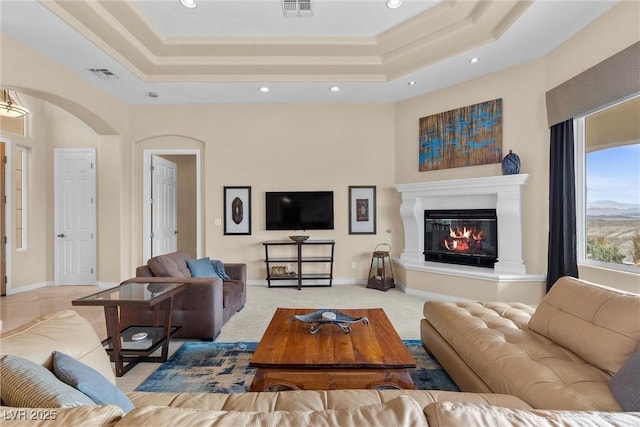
(466, 136)
(237, 210)
(362, 209)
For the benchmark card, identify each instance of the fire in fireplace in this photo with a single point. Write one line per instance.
(461, 236)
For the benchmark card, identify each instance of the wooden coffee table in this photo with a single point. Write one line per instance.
(371, 356)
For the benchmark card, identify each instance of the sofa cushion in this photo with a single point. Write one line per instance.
(64, 331)
(597, 323)
(170, 265)
(89, 381)
(313, 400)
(442, 414)
(201, 267)
(401, 411)
(24, 383)
(625, 384)
(231, 291)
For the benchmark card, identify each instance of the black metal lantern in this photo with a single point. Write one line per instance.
(381, 271)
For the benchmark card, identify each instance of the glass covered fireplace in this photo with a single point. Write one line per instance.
(461, 236)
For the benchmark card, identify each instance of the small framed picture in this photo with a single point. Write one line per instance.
(362, 209)
(237, 210)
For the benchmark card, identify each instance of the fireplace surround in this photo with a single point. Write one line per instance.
(507, 280)
(500, 193)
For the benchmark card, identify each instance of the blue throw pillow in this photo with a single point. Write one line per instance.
(201, 267)
(89, 381)
(218, 266)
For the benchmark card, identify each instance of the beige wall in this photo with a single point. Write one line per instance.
(524, 131)
(50, 127)
(31, 266)
(67, 112)
(525, 128)
(282, 147)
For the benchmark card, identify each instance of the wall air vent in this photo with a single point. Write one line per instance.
(103, 73)
(296, 8)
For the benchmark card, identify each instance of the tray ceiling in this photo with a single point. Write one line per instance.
(223, 51)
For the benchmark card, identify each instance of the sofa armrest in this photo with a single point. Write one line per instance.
(198, 309)
(237, 272)
(144, 271)
(153, 279)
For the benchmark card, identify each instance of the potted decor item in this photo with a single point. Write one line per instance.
(511, 164)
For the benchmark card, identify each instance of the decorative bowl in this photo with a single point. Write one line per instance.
(326, 316)
(298, 238)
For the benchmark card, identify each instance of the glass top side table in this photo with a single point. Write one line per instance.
(136, 343)
(131, 294)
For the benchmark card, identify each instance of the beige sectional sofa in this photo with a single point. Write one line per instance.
(560, 355)
(68, 332)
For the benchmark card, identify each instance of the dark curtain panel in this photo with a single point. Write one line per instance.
(562, 254)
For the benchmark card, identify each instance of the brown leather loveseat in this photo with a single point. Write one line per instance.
(204, 307)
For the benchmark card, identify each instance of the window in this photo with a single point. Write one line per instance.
(21, 198)
(608, 187)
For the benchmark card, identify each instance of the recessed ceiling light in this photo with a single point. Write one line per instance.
(189, 3)
(474, 60)
(264, 89)
(394, 4)
(411, 83)
(334, 89)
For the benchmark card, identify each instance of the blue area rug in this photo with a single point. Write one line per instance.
(224, 368)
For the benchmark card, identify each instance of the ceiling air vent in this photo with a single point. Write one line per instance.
(296, 8)
(103, 73)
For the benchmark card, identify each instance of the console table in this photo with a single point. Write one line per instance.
(300, 259)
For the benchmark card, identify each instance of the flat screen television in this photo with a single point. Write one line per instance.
(299, 210)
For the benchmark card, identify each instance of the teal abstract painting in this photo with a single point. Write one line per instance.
(466, 136)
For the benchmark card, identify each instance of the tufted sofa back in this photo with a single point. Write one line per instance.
(597, 323)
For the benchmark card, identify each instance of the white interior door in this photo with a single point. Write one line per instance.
(163, 206)
(75, 217)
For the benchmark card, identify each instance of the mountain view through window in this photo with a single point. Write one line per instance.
(612, 175)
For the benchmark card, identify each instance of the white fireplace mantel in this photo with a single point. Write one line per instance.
(502, 193)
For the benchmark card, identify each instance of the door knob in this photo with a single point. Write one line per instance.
(62, 235)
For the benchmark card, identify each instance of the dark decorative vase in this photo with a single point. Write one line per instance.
(511, 164)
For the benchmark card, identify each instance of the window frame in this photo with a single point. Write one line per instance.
(580, 154)
(25, 189)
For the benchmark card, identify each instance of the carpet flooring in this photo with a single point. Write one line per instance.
(215, 367)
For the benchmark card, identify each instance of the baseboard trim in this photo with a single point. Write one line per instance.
(339, 282)
(26, 288)
(427, 296)
(39, 285)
